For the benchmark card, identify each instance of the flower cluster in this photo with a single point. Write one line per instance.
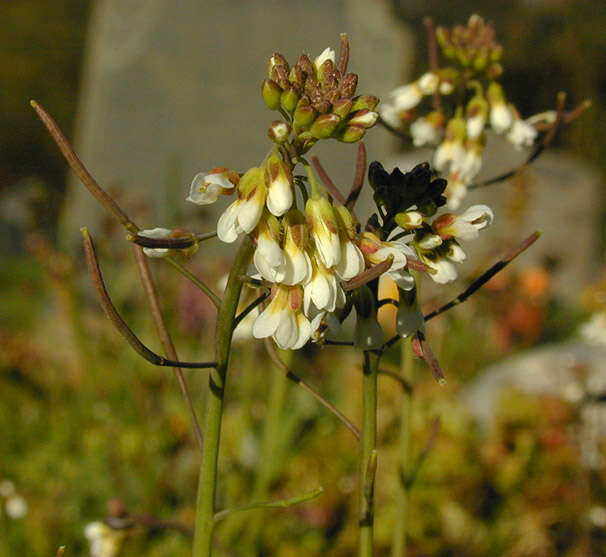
(319, 99)
(313, 257)
(451, 107)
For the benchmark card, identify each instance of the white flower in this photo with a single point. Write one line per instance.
(424, 132)
(375, 251)
(522, 134)
(207, 186)
(429, 241)
(244, 213)
(268, 257)
(297, 265)
(16, 507)
(322, 224)
(455, 253)
(390, 115)
(323, 290)
(283, 319)
(279, 189)
(405, 97)
(104, 542)
(428, 83)
(444, 270)
(465, 226)
(448, 152)
(471, 163)
(456, 189)
(352, 260)
(500, 117)
(451, 151)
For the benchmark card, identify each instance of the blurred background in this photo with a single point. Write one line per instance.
(152, 93)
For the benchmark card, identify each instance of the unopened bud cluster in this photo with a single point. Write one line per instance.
(452, 106)
(318, 100)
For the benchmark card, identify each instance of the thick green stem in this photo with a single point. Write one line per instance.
(205, 505)
(368, 454)
(398, 548)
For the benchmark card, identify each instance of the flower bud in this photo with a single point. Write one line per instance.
(289, 99)
(351, 134)
(476, 114)
(342, 107)
(276, 59)
(304, 113)
(320, 63)
(279, 182)
(324, 126)
(409, 220)
(365, 101)
(364, 118)
(278, 131)
(348, 85)
(271, 92)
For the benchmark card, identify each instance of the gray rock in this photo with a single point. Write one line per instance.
(171, 89)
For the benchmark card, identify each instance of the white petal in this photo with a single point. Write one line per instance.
(279, 197)
(287, 333)
(266, 324)
(430, 241)
(406, 97)
(500, 118)
(249, 214)
(446, 271)
(351, 263)
(304, 331)
(297, 267)
(428, 83)
(456, 253)
(480, 215)
(226, 226)
(390, 115)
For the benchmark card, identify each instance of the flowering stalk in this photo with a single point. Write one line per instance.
(205, 505)
(398, 547)
(368, 454)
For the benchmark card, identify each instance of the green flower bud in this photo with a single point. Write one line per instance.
(365, 101)
(271, 92)
(289, 99)
(324, 126)
(351, 134)
(304, 113)
(342, 107)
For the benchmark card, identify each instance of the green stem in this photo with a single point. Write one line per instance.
(205, 505)
(398, 548)
(368, 454)
(270, 445)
